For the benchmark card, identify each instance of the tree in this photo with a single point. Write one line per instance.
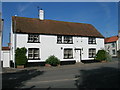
(20, 56)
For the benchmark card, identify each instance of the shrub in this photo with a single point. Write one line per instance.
(118, 53)
(103, 55)
(52, 60)
(20, 56)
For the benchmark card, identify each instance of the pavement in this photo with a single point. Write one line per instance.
(79, 75)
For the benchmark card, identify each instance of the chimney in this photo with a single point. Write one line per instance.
(41, 14)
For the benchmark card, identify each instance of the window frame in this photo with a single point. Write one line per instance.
(67, 39)
(113, 45)
(59, 39)
(68, 54)
(33, 37)
(33, 53)
(113, 52)
(92, 52)
(91, 40)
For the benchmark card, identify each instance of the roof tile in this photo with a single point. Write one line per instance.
(35, 25)
(111, 39)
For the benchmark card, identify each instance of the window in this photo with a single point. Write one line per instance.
(33, 38)
(65, 39)
(33, 53)
(68, 39)
(113, 52)
(68, 53)
(92, 52)
(113, 44)
(59, 39)
(91, 40)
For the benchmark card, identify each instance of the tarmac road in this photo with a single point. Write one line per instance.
(95, 75)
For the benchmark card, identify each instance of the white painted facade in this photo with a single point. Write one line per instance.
(110, 48)
(48, 46)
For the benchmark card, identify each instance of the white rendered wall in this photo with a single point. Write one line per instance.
(5, 57)
(48, 46)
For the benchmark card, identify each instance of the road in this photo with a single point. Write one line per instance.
(95, 75)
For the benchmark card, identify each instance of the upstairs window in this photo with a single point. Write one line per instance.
(59, 39)
(92, 52)
(33, 53)
(91, 40)
(64, 39)
(33, 38)
(113, 44)
(68, 39)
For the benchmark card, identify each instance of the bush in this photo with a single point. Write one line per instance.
(118, 53)
(52, 60)
(103, 55)
(20, 56)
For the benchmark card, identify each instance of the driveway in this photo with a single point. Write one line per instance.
(95, 75)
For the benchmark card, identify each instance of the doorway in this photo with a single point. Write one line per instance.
(78, 55)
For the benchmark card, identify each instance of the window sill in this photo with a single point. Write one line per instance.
(67, 58)
(33, 59)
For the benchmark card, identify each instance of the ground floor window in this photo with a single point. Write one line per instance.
(113, 51)
(68, 53)
(92, 52)
(33, 53)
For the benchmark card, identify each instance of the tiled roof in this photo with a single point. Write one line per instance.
(5, 48)
(35, 25)
(111, 39)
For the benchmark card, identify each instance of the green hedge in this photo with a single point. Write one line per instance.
(103, 55)
(52, 60)
(20, 56)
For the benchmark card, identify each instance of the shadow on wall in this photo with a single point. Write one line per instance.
(15, 80)
(105, 77)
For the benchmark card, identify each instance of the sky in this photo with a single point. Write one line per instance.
(102, 15)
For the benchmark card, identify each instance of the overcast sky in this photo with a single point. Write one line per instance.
(102, 15)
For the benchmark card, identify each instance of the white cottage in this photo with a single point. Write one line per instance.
(68, 41)
(112, 45)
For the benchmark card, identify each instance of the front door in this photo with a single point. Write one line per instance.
(78, 55)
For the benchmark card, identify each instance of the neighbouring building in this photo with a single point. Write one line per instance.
(119, 40)
(5, 57)
(111, 45)
(1, 29)
(68, 41)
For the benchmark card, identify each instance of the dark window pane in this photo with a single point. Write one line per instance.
(33, 38)
(33, 53)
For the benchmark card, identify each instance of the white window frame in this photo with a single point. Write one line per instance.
(33, 38)
(33, 54)
(92, 52)
(68, 57)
